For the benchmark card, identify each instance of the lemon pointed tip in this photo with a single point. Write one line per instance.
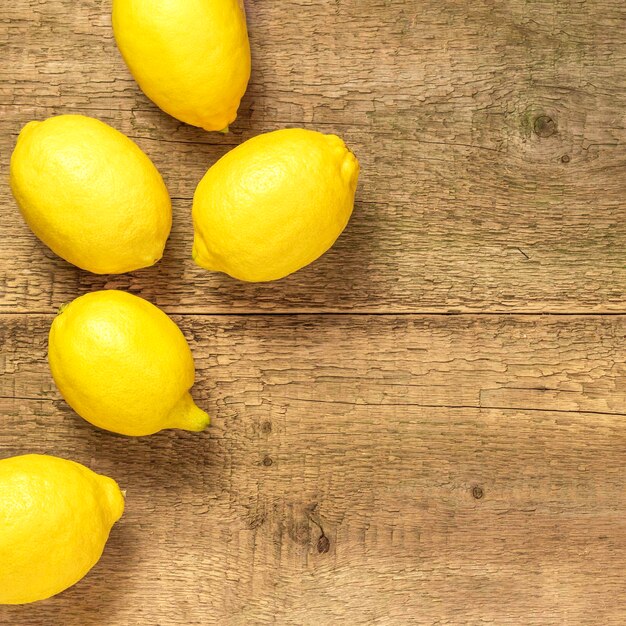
(186, 415)
(115, 498)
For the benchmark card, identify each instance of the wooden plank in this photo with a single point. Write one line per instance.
(492, 139)
(359, 469)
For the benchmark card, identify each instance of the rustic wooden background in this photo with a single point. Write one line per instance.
(427, 426)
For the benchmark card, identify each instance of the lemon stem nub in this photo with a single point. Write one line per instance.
(187, 416)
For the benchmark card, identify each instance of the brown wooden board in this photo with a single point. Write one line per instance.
(372, 459)
(370, 469)
(465, 202)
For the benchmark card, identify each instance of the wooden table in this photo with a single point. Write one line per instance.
(427, 426)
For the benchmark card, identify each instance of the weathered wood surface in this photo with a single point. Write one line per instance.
(369, 470)
(469, 200)
(362, 469)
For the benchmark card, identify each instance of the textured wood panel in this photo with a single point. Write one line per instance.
(492, 139)
(362, 468)
(368, 469)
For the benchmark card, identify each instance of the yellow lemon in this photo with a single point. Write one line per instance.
(55, 519)
(123, 365)
(190, 57)
(274, 204)
(90, 194)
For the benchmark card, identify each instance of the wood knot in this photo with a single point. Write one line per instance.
(267, 461)
(477, 492)
(266, 428)
(544, 126)
(565, 158)
(323, 544)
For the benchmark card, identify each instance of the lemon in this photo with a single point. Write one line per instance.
(190, 57)
(274, 204)
(55, 519)
(123, 365)
(90, 194)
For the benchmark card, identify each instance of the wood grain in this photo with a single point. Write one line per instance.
(372, 459)
(492, 140)
(369, 469)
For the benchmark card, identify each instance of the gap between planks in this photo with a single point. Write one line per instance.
(315, 313)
